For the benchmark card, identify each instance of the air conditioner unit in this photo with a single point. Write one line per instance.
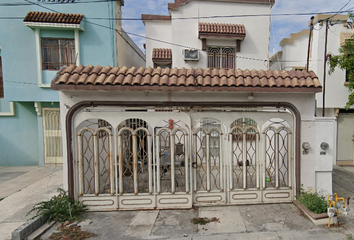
(190, 55)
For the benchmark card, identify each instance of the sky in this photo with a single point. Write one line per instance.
(281, 26)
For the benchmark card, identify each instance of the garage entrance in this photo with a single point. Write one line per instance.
(177, 158)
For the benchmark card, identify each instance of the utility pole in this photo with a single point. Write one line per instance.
(309, 45)
(324, 71)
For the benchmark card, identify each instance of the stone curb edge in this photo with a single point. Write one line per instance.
(29, 227)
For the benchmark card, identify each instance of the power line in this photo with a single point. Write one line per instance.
(205, 17)
(54, 3)
(232, 16)
(341, 9)
(161, 41)
(137, 35)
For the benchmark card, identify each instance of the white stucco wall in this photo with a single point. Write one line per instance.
(295, 55)
(184, 32)
(316, 169)
(160, 30)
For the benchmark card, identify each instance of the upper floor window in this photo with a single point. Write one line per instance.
(221, 57)
(57, 52)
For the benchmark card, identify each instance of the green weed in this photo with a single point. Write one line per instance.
(313, 201)
(59, 208)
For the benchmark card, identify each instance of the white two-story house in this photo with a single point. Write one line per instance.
(335, 95)
(191, 37)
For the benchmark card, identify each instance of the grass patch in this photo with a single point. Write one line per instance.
(59, 208)
(1, 199)
(313, 201)
(203, 221)
(72, 232)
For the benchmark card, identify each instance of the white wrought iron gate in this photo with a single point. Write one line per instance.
(53, 150)
(137, 160)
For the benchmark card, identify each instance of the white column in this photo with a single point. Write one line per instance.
(244, 160)
(290, 162)
(208, 160)
(277, 159)
(135, 163)
(81, 166)
(221, 159)
(111, 164)
(186, 161)
(77, 47)
(158, 168)
(231, 162)
(96, 166)
(150, 163)
(38, 56)
(172, 166)
(120, 159)
(257, 159)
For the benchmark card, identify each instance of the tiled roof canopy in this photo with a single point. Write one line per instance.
(110, 79)
(222, 30)
(53, 17)
(160, 55)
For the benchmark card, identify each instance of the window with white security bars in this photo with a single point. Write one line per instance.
(53, 151)
(221, 57)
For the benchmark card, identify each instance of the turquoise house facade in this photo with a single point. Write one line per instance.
(35, 41)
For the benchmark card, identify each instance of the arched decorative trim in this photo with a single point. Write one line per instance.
(78, 106)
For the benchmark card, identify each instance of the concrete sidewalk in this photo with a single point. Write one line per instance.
(21, 188)
(264, 221)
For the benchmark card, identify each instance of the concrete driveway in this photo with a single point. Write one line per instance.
(23, 187)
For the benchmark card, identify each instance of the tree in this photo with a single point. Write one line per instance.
(345, 61)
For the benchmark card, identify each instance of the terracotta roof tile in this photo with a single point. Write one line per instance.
(53, 17)
(231, 81)
(222, 29)
(137, 80)
(162, 53)
(107, 78)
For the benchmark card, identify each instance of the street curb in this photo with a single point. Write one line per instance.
(29, 227)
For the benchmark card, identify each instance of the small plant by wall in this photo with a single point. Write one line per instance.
(59, 208)
(313, 201)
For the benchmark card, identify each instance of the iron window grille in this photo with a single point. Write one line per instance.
(243, 123)
(57, 52)
(221, 57)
